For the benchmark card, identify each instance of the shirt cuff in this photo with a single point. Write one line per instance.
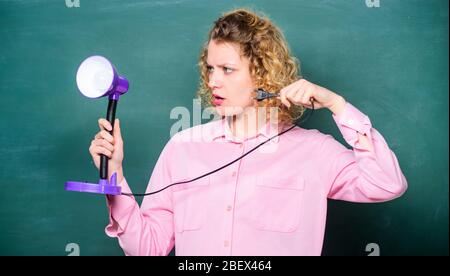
(351, 122)
(120, 207)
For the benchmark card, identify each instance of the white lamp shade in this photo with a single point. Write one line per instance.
(95, 76)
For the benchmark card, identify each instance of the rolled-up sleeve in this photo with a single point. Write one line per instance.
(360, 174)
(145, 230)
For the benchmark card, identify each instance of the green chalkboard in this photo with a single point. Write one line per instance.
(389, 60)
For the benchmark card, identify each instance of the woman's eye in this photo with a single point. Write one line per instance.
(209, 69)
(227, 70)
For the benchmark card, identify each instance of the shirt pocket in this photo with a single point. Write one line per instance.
(277, 203)
(189, 204)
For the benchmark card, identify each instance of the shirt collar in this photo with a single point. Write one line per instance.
(222, 130)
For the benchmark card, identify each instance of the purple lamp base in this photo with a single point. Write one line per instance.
(103, 187)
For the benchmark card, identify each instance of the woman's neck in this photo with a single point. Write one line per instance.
(246, 124)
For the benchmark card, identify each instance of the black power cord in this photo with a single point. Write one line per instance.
(260, 96)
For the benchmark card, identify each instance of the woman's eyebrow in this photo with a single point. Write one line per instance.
(222, 65)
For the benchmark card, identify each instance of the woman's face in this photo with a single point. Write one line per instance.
(229, 78)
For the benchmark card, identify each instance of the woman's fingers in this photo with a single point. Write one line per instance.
(104, 124)
(103, 143)
(104, 135)
(283, 98)
(95, 149)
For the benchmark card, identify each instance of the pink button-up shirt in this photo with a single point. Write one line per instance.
(271, 202)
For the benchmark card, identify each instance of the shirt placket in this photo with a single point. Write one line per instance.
(230, 194)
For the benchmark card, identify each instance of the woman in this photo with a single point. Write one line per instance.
(273, 201)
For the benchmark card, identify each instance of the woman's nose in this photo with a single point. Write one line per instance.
(214, 80)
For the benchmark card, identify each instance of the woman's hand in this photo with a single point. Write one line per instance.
(109, 145)
(301, 91)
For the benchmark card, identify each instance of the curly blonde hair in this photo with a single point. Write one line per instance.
(271, 65)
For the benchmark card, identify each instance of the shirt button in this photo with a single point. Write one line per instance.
(229, 208)
(233, 174)
(226, 243)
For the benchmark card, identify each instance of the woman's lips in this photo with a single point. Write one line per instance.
(217, 100)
